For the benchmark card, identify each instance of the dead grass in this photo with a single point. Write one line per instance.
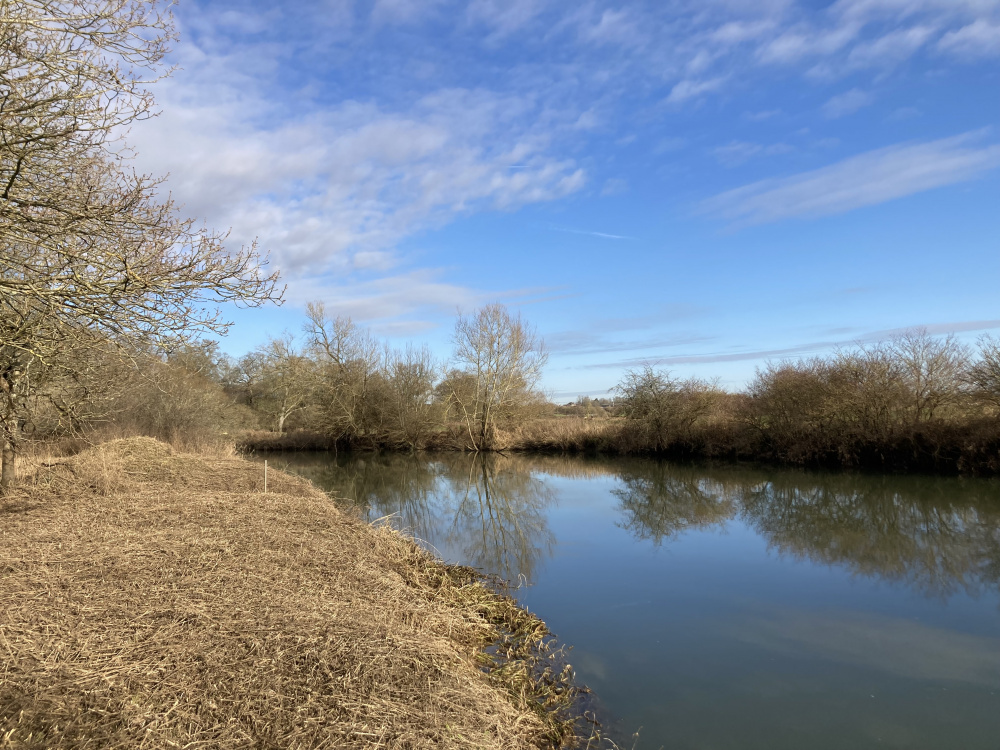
(154, 599)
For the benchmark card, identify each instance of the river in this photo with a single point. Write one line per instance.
(717, 608)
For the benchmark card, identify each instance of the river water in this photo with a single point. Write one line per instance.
(714, 608)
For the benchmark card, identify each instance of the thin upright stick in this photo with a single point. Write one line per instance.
(265, 476)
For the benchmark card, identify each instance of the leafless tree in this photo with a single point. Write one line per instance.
(288, 380)
(665, 408)
(505, 356)
(984, 374)
(351, 391)
(933, 371)
(411, 374)
(91, 254)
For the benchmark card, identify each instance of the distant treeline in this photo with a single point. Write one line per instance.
(912, 403)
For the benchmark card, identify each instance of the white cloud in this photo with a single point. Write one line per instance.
(341, 187)
(892, 48)
(691, 89)
(614, 186)
(735, 32)
(796, 44)
(905, 8)
(505, 16)
(847, 103)
(738, 152)
(613, 26)
(865, 180)
(979, 39)
(391, 12)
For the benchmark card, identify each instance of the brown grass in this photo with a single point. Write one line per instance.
(154, 599)
(563, 435)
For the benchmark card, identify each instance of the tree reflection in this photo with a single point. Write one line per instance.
(485, 509)
(937, 535)
(379, 485)
(498, 515)
(940, 536)
(659, 501)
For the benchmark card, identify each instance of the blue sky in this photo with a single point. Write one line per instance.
(698, 184)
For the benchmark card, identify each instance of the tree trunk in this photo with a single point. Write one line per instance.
(281, 422)
(6, 467)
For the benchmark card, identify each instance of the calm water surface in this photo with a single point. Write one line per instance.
(717, 608)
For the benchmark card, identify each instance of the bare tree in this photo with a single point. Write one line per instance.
(411, 375)
(288, 379)
(984, 374)
(505, 357)
(351, 391)
(665, 408)
(91, 255)
(933, 371)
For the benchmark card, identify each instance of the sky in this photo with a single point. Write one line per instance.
(698, 185)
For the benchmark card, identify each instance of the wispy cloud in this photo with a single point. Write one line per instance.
(847, 103)
(891, 48)
(865, 180)
(980, 39)
(799, 350)
(335, 188)
(738, 152)
(602, 235)
(504, 17)
(412, 296)
(691, 89)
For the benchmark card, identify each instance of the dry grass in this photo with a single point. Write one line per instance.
(563, 435)
(154, 599)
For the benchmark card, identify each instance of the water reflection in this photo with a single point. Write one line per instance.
(487, 510)
(659, 501)
(499, 516)
(940, 541)
(938, 535)
(675, 625)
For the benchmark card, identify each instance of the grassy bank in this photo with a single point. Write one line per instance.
(158, 599)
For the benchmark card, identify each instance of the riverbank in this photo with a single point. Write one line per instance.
(968, 448)
(160, 599)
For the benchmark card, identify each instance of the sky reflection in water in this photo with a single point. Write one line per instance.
(730, 607)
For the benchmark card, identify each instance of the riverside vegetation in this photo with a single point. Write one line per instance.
(912, 403)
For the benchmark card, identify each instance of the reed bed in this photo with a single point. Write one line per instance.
(155, 599)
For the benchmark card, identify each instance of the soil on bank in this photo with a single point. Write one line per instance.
(153, 599)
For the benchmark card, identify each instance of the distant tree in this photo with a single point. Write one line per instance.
(177, 395)
(984, 373)
(664, 408)
(933, 371)
(287, 380)
(91, 256)
(351, 393)
(243, 378)
(411, 376)
(502, 357)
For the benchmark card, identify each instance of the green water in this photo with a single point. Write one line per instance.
(717, 608)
